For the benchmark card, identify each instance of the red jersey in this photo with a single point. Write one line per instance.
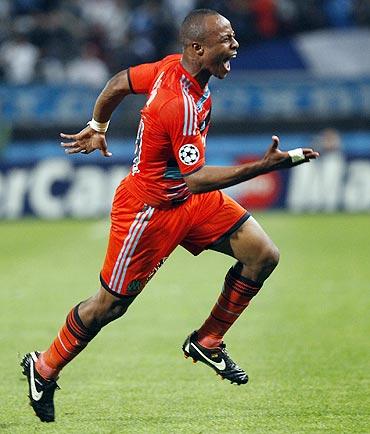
(170, 142)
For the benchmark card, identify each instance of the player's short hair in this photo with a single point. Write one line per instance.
(192, 29)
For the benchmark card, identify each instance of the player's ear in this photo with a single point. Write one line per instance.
(197, 48)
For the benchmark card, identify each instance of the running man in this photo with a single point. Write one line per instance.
(170, 198)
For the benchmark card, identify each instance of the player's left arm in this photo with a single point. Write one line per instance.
(210, 178)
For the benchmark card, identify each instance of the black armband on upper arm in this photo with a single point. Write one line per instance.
(129, 80)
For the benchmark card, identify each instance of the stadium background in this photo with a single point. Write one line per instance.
(302, 72)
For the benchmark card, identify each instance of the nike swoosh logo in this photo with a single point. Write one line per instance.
(36, 396)
(219, 365)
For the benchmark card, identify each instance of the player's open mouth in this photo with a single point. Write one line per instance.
(226, 61)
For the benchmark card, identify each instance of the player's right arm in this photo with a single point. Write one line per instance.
(88, 139)
(137, 79)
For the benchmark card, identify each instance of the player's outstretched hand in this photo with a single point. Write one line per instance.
(277, 159)
(84, 142)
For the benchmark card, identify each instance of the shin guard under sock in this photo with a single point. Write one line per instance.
(236, 295)
(70, 341)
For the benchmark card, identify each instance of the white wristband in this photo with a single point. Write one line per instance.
(296, 155)
(100, 127)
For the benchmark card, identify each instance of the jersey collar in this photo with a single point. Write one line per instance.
(193, 81)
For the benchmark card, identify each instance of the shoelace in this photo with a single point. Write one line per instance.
(224, 351)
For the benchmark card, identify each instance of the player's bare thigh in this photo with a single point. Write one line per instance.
(253, 248)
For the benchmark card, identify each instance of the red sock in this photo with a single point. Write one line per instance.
(235, 297)
(70, 341)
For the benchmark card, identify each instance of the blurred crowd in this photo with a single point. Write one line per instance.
(86, 41)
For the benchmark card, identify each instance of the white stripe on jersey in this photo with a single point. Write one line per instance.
(190, 110)
(154, 91)
(195, 111)
(186, 106)
(176, 187)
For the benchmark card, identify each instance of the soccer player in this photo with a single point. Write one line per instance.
(170, 198)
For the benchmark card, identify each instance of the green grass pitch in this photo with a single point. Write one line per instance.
(304, 340)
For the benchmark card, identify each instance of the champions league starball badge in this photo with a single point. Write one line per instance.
(189, 154)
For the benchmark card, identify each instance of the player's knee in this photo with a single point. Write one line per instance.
(103, 308)
(110, 310)
(269, 258)
(113, 312)
(272, 256)
(262, 263)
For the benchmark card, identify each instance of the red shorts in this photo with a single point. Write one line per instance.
(142, 237)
